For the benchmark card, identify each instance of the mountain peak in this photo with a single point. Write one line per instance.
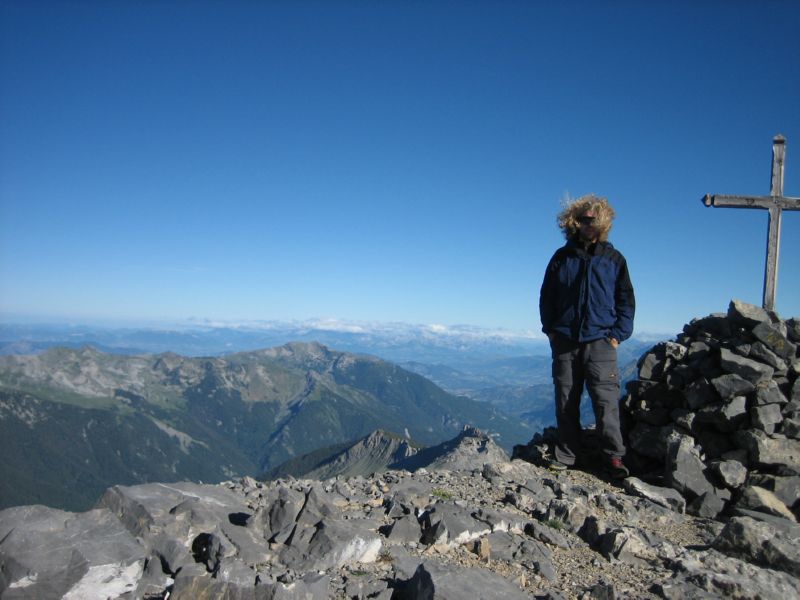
(469, 450)
(374, 453)
(293, 350)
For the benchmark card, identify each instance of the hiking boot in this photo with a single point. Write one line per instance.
(617, 469)
(555, 465)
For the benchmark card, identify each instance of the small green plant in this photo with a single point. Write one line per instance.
(443, 494)
(358, 573)
(555, 524)
(385, 556)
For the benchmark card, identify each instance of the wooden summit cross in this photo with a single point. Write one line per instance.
(775, 203)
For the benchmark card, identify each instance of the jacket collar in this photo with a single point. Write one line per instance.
(595, 250)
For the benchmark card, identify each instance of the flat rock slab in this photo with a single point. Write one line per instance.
(757, 498)
(709, 574)
(57, 553)
(772, 452)
(753, 371)
(435, 579)
(667, 497)
(759, 542)
(141, 506)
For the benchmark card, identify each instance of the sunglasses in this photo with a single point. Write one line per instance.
(586, 220)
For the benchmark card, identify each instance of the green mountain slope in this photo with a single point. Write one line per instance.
(75, 421)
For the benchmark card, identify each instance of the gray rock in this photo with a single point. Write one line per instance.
(766, 451)
(501, 521)
(172, 554)
(635, 546)
(501, 546)
(366, 587)
(708, 505)
(684, 418)
(770, 394)
(784, 527)
(651, 441)
(546, 534)
(681, 375)
(753, 371)
(539, 492)
(700, 393)
(713, 443)
(190, 588)
(747, 315)
(411, 494)
(760, 543)
(737, 454)
(650, 367)
(675, 351)
(762, 353)
(593, 530)
(434, 579)
(143, 507)
(707, 575)
(276, 520)
(331, 543)
(310, 586)
(48, 552)
(785, 488)
(731, 473)
(537, 556)
(663, 496)
(730, 385)
(724, 416)
(657, 363)
(757, 498)
(714, 325)
(793, 329)
(766, 417)
(448, 523)
(209, 549)
(603, 591)
(791, 428)
(234, 570)
(698, 351)
(512, 548)
(651, 413)
(405, 529)
(572, 512)
(775, 340)
(685, 469)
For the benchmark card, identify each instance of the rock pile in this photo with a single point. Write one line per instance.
(716, 413)
(485, 528)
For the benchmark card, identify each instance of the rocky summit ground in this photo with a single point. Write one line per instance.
(472, 525)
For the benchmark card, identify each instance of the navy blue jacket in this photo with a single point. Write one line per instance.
(587, 296)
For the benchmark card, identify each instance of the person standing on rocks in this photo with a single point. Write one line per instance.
(587, 305)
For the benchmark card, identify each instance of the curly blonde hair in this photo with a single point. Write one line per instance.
(573, 209)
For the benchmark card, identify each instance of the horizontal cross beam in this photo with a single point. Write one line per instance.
(765, 202)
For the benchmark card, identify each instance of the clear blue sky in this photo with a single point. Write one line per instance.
(385, 161)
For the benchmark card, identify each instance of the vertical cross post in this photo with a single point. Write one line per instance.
(774, 230)
(775, 203)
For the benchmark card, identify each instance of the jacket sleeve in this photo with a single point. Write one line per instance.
(548, 295)
(625, 302)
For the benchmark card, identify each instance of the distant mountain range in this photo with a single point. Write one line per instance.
(75, 421)
(397, 342)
